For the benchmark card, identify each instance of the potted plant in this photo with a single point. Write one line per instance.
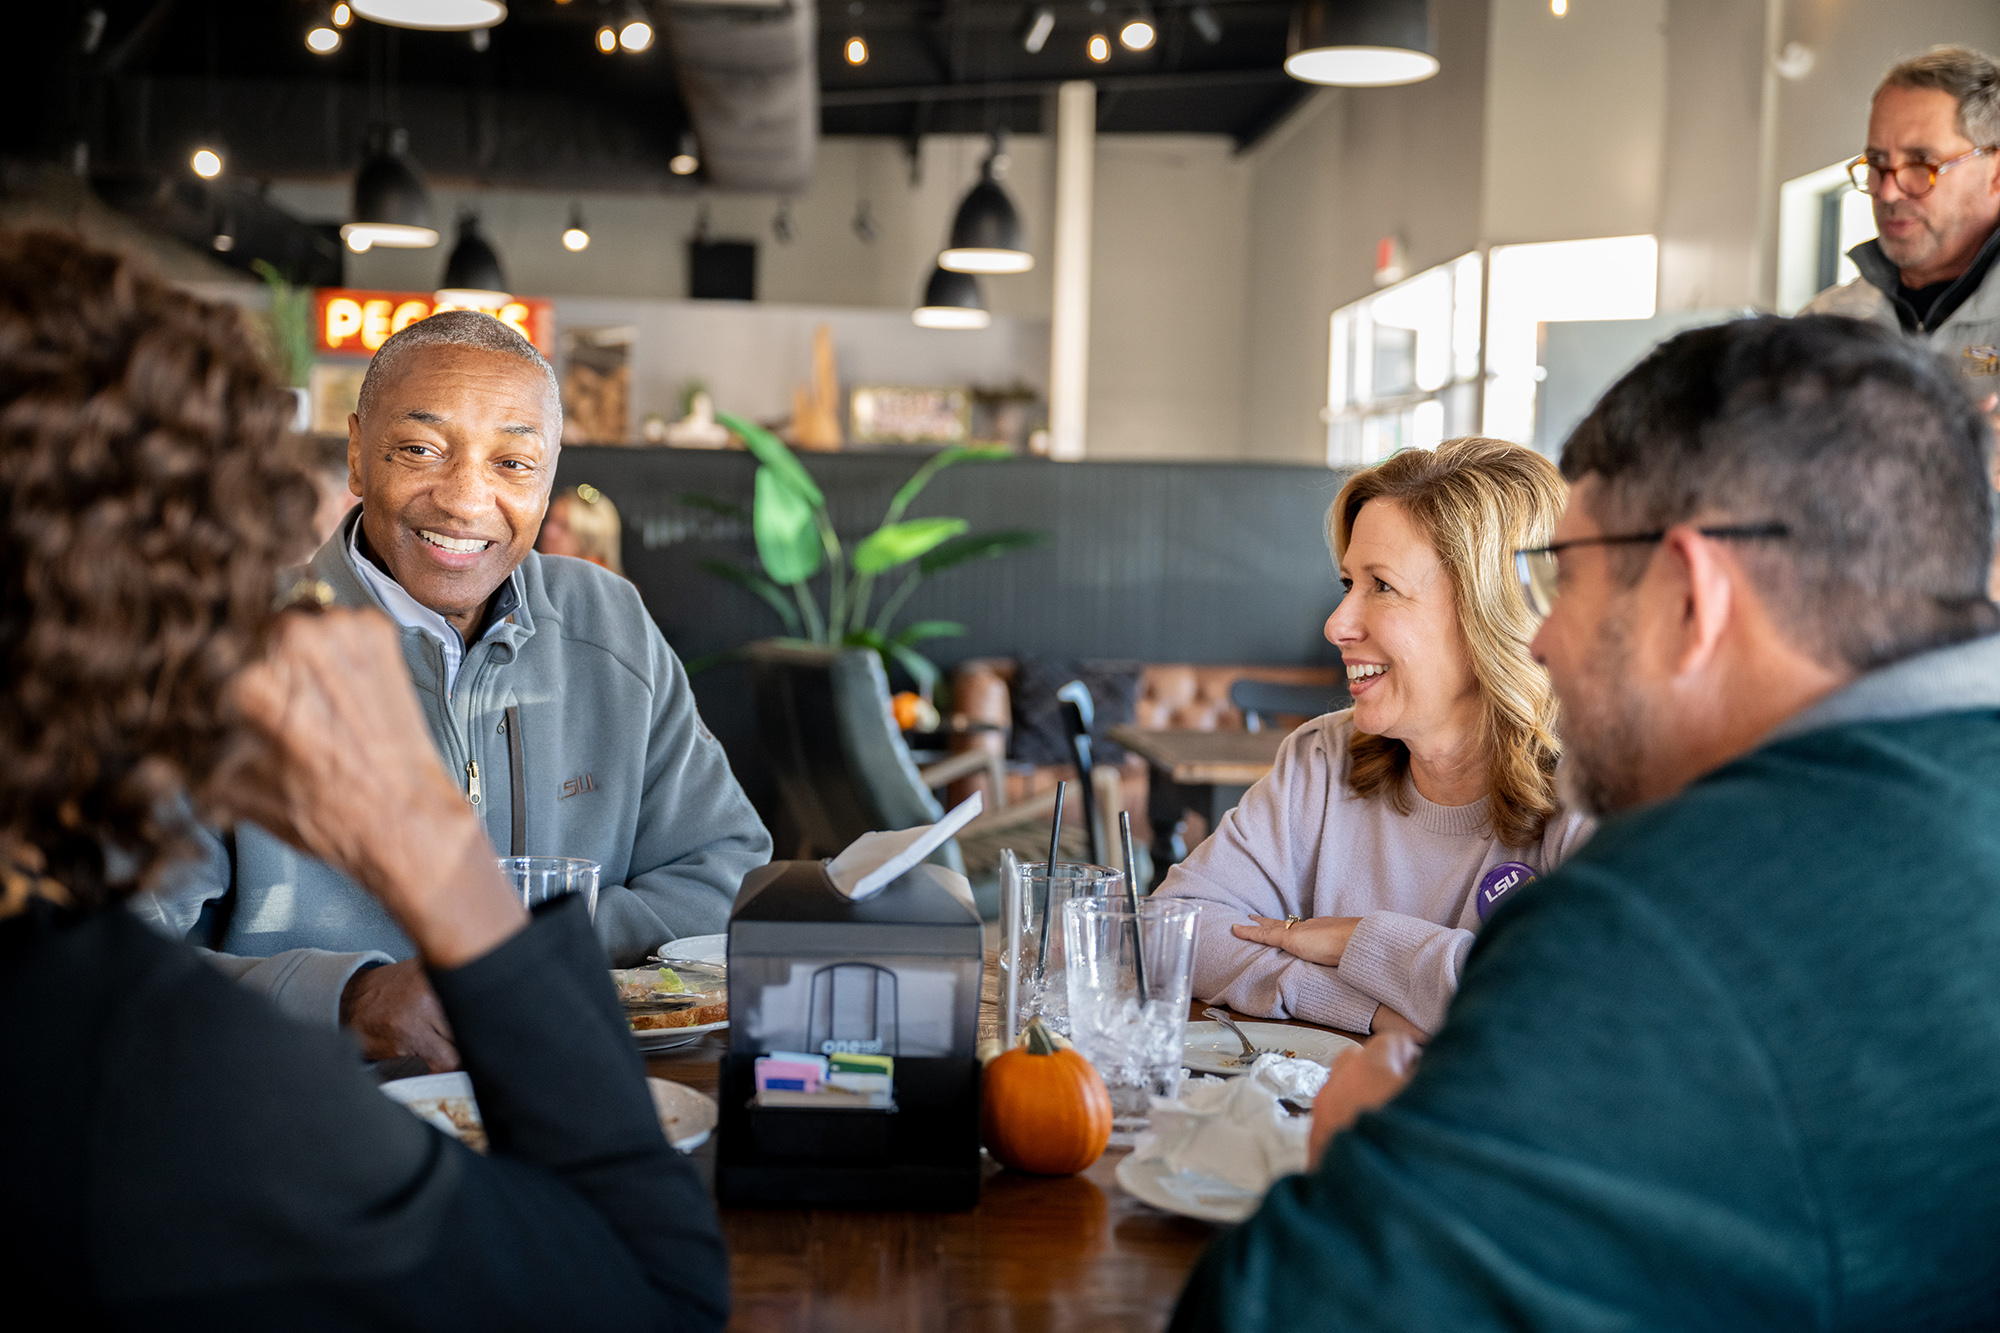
(291, 338)
(796, 542)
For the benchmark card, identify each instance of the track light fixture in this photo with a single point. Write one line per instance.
(576, 237)
(1041, 22)
(343, 15)
(607, 39)
(855, 48)
(1099, 47)
(1137, 32)
(206, 163)
(688, 160)
(323, 41)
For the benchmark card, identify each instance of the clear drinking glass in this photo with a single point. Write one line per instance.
(1031, 955)
(1134, 1037)
(538, 879)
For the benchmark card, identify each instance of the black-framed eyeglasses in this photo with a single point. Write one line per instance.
(1914, 179)
(1537, 566)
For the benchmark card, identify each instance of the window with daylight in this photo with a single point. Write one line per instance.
(1403, 368)
(1821, 216)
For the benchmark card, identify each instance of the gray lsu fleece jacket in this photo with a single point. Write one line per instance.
(587, 743)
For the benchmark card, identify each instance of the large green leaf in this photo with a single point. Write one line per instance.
(979, 546)
(787, 539)
(756, 583)
(772, 453)
(937, 464)
(899, 543)
(928, 629)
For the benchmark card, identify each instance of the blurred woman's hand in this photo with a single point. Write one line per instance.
(1317, 939)
(1361, 1080)
(342, 766)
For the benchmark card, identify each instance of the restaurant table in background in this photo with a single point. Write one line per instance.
(1039, 1252)
(1203, 771)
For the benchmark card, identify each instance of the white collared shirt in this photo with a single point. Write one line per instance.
(410, 613)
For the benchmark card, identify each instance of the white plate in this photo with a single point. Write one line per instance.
(684, 1112)
(1212, 1049)
(1184, 1192)
(695, 949)
(668, 1039)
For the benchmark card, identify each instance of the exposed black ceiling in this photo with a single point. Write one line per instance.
(541, 106)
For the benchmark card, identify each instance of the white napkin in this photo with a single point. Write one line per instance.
(874, 860)
(1234, 1130)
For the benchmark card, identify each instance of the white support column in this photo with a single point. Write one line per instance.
(1069, 331)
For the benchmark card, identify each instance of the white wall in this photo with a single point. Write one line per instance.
(1169, 258)
(1575, 119)
(1169, 263)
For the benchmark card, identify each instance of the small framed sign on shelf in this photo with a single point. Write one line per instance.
(899, 414)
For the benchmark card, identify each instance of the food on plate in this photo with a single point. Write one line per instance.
(456, 1116)
(1044, 1108)
(688, 994)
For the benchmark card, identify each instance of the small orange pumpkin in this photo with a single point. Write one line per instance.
(1044, 1108)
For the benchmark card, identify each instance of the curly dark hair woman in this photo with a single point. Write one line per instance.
(172, 1149)
(148, 497)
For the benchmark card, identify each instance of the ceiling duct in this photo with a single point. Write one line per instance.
(749, 77)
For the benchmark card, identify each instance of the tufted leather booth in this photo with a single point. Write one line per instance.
(1173, 696)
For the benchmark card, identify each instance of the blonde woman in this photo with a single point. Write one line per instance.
(582, 522)
(1348, 883)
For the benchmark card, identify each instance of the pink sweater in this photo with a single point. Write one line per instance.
(1301, 842)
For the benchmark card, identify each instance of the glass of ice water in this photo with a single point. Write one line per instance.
(1134, 1036)
(1031, 926)
(540, 879)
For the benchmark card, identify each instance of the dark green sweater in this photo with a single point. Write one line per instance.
(1736, 1065)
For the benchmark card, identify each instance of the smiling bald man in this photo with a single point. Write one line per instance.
(550, 693)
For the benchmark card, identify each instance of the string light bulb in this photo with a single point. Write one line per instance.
(636, 35)
(1559, 7)
(207, 163)
(607, 39)
(857, 50)
(1100, 47)
(1138, 32)
(342, 16)
(322, 41)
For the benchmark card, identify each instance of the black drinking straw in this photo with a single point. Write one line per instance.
(1132, 897)
(1049, 882)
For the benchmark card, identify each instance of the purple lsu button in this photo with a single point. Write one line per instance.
(1498, 882)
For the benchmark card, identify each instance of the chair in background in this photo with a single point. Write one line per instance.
(828, 731)
(1264, 702)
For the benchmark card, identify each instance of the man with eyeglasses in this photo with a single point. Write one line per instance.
(1737, 1063)
(1932, 174)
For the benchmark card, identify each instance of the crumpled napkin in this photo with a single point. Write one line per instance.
(1234, 1130)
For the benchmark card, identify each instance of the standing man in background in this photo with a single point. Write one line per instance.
(1932, 170)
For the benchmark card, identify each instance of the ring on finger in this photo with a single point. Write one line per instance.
(1291, 919)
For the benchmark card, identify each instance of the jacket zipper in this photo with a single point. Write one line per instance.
(472, 781)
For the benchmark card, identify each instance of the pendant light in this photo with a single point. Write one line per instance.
(433, 15)
(472, 276)
(952, 301)
(986, 235)
(1361, 43)
(391, 206)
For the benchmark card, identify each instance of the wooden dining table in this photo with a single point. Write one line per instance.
(1037, 1253)
(1203, 771)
